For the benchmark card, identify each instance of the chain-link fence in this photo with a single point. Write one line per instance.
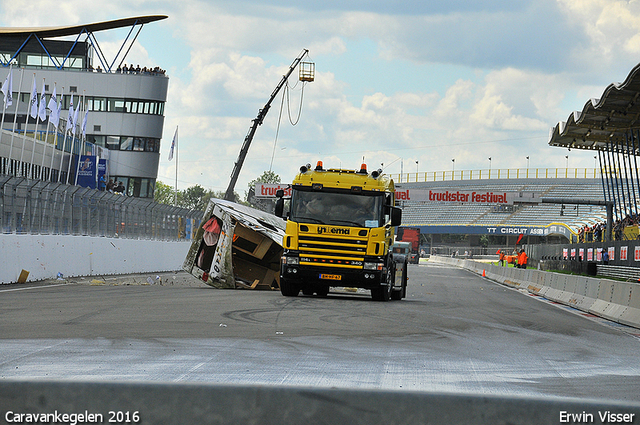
(38, 207)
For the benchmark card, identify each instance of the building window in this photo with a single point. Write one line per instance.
(116, 105)
(113, 143)
(126, 143)
(97, 140)
(98, 104)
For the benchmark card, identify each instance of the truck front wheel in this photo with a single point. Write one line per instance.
(383, 292)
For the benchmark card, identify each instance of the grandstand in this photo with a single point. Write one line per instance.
(531, 219)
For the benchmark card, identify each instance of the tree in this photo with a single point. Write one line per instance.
(193, 198)
(163, 193)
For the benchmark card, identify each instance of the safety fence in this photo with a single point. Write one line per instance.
(498, 174)
(30, 206)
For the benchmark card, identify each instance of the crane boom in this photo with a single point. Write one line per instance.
(254, 126)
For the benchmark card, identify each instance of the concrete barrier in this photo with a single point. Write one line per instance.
(603, 299)
(537, 282)
(620, 298)
(179, 404)
(586, 293)
(556, 287)
(44, 256)
(613, 300)
(631, 314)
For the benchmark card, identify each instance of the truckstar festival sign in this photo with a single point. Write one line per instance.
(266, 190)
(442, 196)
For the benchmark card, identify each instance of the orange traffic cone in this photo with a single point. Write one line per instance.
(484, 274)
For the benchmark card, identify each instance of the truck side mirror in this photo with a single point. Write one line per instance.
(396, 216)
(279, 203)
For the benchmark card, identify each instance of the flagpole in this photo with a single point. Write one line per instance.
(175, 199)
(26, 123)
(174, 147)
(35, 133)
(55, 134)
(44, 149)
(15, 119)
(64, 146)
(73, 135)
(4, 109)
(73, 143)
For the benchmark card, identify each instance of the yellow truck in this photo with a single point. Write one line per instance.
(339, 232)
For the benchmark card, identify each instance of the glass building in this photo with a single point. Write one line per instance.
(123, 105)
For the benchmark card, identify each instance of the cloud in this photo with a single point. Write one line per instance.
(379, 90)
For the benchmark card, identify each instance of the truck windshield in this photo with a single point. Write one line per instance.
(338, 209)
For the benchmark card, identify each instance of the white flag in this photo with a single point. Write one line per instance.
(70, 122)
(42, 110)
(59, 107)
(84, 123)
(34, 99)
(54, 116)
(7, 90)
(75, 118)
(173, 144)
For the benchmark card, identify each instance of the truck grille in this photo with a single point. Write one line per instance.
(331, 251)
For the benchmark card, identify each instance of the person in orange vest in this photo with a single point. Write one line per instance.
(501, 258)
(522, 259)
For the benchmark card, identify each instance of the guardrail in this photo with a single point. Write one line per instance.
(613, 300)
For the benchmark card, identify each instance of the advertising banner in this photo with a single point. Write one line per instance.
(267, 190)
(102, 168)
(612, 253)
(87, 170)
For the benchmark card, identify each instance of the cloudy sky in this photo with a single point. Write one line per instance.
(396, 82)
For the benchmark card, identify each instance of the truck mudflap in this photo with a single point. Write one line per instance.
(401, 278)
(236, 247)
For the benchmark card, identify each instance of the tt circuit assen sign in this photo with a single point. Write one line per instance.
(556, 229)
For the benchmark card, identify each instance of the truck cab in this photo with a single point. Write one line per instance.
(339, 231)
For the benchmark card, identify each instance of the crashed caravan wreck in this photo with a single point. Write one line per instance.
(236, 247)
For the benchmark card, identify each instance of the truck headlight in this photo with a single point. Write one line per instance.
(293, 261)
(372, 266)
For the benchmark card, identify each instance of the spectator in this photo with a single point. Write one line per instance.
(102, 183)
(119, 188)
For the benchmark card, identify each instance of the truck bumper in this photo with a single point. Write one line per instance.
(330, 276)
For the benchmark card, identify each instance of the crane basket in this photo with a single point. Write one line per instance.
(307, 71)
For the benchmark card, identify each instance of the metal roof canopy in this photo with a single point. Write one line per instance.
(602, 121)
(78, 30)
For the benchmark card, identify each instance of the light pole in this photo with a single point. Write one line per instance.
(567, 158)
(489, 167)
(416, 170)
(527, 163)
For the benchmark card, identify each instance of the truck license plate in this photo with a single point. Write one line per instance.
(330, 276)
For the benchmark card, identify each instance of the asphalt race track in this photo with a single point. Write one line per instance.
(456, 332)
